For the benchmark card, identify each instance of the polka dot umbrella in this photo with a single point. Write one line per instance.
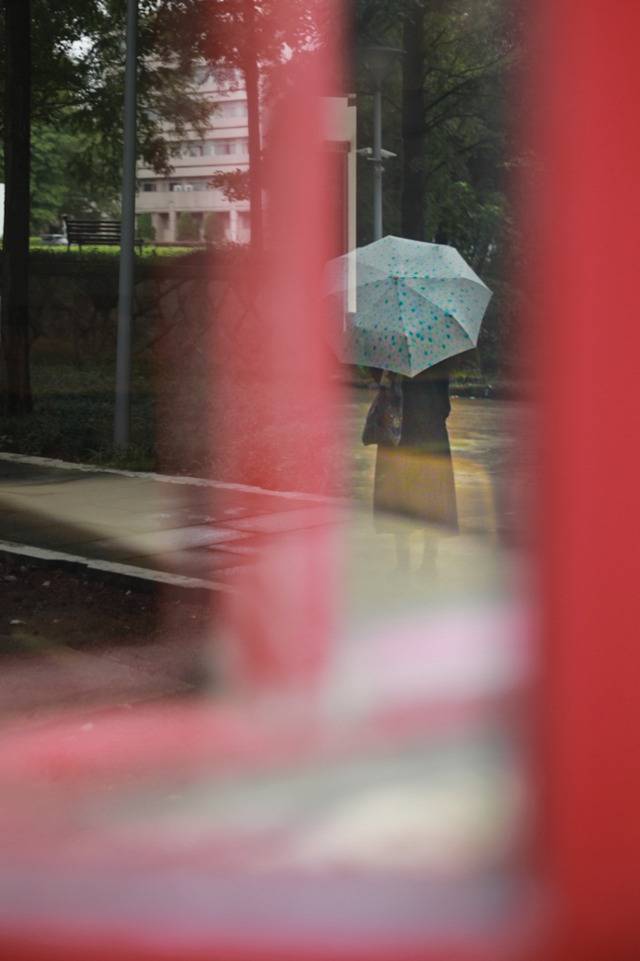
(416, 305)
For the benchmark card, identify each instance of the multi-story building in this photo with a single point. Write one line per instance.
(195, 159)
(224, 148)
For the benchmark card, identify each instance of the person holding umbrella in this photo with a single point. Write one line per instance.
(414, 477)
(419, 305)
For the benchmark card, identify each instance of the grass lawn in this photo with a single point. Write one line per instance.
(173, 425)
(73, 417)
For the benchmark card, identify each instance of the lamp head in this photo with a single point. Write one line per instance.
(378, 60)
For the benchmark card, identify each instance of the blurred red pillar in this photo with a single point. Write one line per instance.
(585, 335)
(278, 626)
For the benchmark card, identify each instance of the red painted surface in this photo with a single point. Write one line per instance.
(281, 620)
(585, 333)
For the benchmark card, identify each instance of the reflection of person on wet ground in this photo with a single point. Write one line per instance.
(414, 480)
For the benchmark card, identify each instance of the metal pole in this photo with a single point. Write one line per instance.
(127, 238)
(377, 163)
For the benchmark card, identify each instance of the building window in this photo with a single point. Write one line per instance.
(225, 148)
(231, 108)
(188, 186)
(222, 148)
(186, 148)
(148, 187)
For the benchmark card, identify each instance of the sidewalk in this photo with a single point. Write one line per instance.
(129, 528)
(178, 529)
(193, 535)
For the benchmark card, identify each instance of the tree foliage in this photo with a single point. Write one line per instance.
(254, 36)
(144, 227)
(70, 79)
(77, 97)
(445, 116)
(187, 227)
(63, 182)
(214, 228)
(234, 184)
(78, 76)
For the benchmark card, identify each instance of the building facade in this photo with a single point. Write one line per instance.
(184, 205)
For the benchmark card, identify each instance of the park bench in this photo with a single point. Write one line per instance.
(95, 233)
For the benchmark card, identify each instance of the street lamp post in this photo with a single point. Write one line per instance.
(378, 163)
(378, 61)
(127, 238)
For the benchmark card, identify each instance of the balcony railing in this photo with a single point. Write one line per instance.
(163, 200)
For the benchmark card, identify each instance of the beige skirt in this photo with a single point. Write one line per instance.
(416, 484)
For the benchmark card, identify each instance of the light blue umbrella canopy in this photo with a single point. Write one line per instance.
(417, 304)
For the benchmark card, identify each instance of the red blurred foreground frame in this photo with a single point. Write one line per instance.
(582, 99)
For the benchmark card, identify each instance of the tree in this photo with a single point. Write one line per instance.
(444, 116)
(444, 106)
(214, 228)
(15, 261)
(60, 182)
(144, 227)
(67, 71)
(234, 184)
(413, 123)
(255, 36)
(187, 227)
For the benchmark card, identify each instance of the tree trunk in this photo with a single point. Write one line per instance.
(414, 136)
(252, 85)
(15, 260)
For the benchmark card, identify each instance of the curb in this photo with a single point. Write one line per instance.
(139, 578)
(125, 575)
(179, 479)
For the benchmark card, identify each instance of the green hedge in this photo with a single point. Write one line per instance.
(104, 261)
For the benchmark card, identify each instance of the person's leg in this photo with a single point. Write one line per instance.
(403, 552)
(429, 562)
